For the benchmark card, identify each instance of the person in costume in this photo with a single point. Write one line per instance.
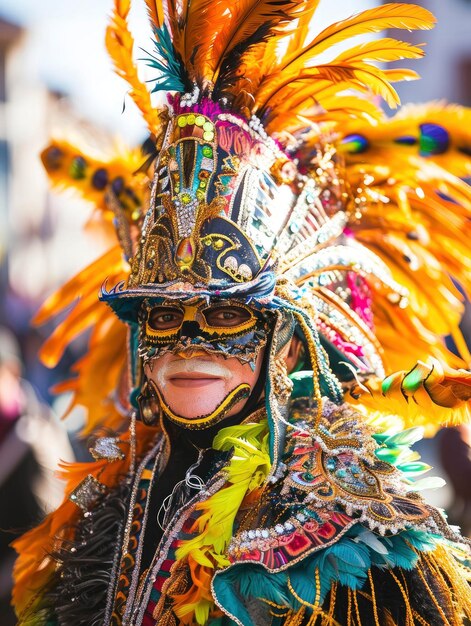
(284, 248)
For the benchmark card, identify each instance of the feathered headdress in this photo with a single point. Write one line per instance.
(275, 165)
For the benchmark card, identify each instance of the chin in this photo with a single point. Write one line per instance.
(194, 400)
(193, 407)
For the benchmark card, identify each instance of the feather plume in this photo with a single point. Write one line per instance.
(172, 74)
(300, 33)
(381, 50)
(248, 468)
(247, 18)
(93, 176)
(120, 44)
(431, 395)
(392, 15)
(373, 20)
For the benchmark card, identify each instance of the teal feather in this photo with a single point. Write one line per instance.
(414, 468)
(380, 437)
(405, 438)
(225, 589)
(371, 540)
(421, 540)
(256, 582)
(303, 581)
(167, 62)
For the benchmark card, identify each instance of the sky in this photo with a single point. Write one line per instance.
(67, 52)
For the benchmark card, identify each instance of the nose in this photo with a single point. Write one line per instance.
(190, 329)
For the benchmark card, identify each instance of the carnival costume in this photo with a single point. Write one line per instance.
(276, 185)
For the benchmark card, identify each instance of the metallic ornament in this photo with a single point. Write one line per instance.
(87, 492)
(107, 448)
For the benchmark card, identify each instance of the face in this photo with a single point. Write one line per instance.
(200, 375)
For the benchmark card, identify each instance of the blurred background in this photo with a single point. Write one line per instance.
(55, 75)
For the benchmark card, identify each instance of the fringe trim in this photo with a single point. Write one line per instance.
(434, 593)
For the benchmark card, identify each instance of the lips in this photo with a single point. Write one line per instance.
(193, 379)
(194, 372)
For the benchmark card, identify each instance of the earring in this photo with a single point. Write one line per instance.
(149, 407)
(282, 384)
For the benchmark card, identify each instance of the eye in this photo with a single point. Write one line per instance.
(165, 318)
(226, 316)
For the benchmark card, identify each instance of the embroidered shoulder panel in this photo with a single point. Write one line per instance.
(331, 480)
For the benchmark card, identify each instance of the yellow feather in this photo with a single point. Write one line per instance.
(99, 375)
(301, 30)
(247, 470)
(381, 50)
(429, 394)
(373, 20)
(120, 44)
(60, 159)
(391, 15)
(357, 76)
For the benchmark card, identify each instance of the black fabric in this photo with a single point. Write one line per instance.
(77, 595)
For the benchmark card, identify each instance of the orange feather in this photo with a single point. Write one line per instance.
(370, 21)
(155, 11)
(120, 45)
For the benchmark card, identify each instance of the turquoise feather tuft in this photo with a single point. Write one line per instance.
(167, 63)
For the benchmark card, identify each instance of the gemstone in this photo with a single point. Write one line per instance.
(208, 126)
(190, 119)
(207, 151)
(245, 271)
(231, 263)
(331, 464)
(182, 121)
(199, 120)
(185, 253)
(208, 135)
